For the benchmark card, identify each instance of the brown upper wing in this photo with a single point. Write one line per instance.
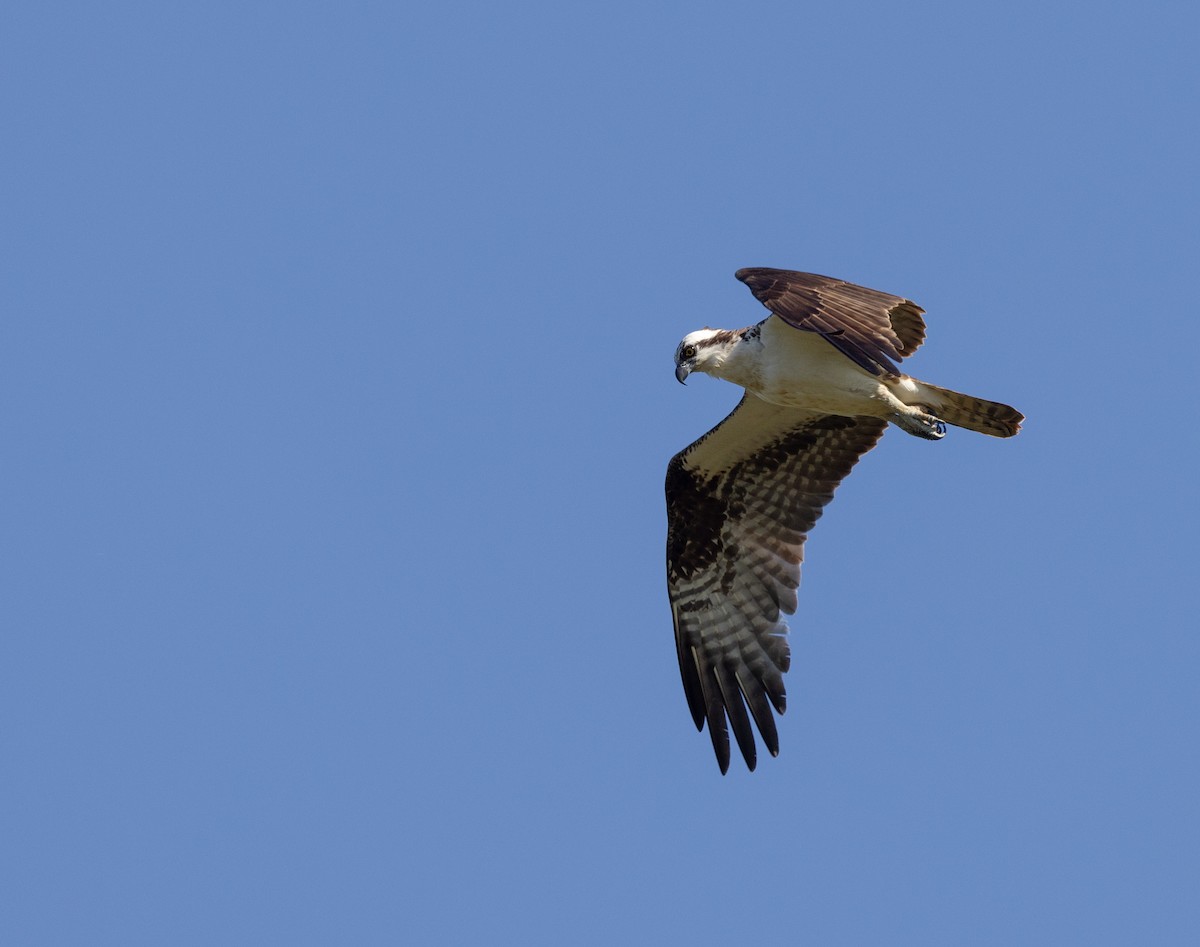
(873, 329)
(740, 503)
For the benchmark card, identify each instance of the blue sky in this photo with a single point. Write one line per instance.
(337, 396)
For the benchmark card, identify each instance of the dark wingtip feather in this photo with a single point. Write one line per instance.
(720, 741)
(715, 714)
(692, 687)
(735, 709)
(773, 684)
(760, 710)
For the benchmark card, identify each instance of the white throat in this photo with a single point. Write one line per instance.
(735, 359)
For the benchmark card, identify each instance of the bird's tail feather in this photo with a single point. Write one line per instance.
(975, 414)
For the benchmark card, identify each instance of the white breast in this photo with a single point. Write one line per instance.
(800, 369)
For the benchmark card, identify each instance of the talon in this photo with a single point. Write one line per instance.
(928, 426)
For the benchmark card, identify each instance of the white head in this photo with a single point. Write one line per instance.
(704, 350)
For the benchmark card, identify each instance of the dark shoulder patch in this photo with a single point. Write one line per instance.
(695, 515)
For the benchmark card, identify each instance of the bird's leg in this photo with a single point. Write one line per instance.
(920, 424)
(915, 419)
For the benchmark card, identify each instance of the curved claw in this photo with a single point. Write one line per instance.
(928, 426)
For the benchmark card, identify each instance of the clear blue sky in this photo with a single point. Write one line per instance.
(337, 394)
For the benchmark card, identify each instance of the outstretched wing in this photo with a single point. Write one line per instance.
(740, 503)
(873, 329)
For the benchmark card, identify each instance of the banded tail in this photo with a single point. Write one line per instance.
(975, 414)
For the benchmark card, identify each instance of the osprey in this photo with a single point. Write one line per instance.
(821, 384)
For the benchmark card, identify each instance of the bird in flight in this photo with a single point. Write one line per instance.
(821, 385)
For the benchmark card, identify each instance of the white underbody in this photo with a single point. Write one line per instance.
(794, 368)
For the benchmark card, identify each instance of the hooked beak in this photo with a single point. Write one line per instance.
(681, 373)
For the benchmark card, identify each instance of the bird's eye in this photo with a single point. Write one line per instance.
(689, 351)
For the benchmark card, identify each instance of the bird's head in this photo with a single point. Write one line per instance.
(702, 351)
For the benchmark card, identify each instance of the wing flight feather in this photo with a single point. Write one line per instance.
(871, 328)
